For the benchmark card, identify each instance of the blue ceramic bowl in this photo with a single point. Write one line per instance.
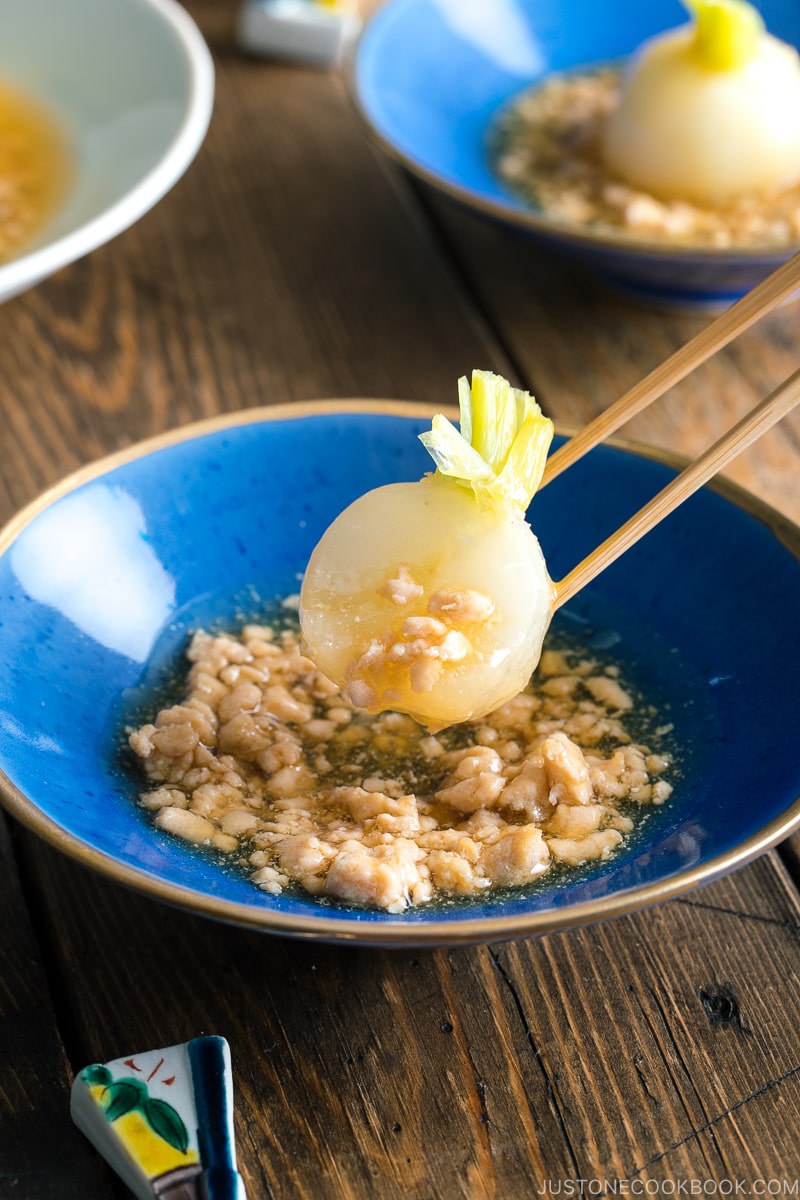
(103, 577)
(430, 76)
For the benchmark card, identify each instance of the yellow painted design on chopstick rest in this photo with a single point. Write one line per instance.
(152, 1153)
(151, 1131)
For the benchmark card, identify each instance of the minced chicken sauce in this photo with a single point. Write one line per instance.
(546, 149)
(270, 763)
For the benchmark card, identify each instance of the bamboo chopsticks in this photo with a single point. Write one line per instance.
(755, 304)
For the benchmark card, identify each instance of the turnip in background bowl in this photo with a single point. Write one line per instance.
(430, 78)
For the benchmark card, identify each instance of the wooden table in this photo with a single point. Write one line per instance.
(658, 1052)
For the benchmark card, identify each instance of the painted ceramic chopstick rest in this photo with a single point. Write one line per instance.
(163, 1120)
(317, 32)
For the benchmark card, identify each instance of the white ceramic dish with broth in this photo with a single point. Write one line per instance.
(129, 85)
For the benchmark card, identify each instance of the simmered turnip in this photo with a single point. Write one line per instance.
(710, 111)
(433, 598)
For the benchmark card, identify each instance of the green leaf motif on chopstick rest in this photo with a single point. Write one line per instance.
(166, 1122)
(97, 1076)
(122, 1096)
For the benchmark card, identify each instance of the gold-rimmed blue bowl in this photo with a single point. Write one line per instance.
(103, 578)
(431, 76)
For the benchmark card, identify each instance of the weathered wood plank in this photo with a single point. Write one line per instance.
(658, 1046)
(790, 852)
(292, 262)
(219, 299)
(224, 297)
(35, 1128)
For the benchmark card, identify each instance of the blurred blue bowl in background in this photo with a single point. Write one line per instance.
(430, 76)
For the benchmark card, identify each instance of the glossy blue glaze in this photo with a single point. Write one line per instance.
(431, 75)
(100, 588)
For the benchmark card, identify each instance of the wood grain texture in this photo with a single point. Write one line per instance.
(287, 264)
(292, 262)
(658, 1046)
(35, 1128)
(790, 851)
(736, 319)
(700, 471)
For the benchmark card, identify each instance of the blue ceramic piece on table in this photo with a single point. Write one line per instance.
(104, 576)
(431, 75)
